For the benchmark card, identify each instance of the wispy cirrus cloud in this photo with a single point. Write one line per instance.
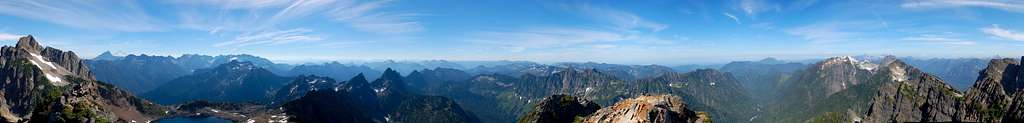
(258, 22)
(733, 17)
(754, 7)
(369, 17)
(9, 37)
(1007, 5)
(619, 18)
(238, 4)
(544, 37)
(829, 32)
(275, 37)
(100, 15)
(217, 16)
(944, 38)
(996, 31)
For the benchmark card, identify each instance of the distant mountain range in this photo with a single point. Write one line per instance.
(495, 97)
(234, 81)
(383, 100)
(45, 84)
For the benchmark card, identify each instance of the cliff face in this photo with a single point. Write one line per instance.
(646, 109)
(995, 97)
(914, 96)
(988, 99)
(1015, 113)
(50, 85)
(65, 62)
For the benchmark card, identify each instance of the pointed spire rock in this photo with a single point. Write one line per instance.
(389, 74)
(361, 79)
(29, 43)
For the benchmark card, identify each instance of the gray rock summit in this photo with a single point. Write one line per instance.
(45, 84)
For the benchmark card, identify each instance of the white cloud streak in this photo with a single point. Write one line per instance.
(753, 7)
(824, 32)
(238, 4)
(100, 15)
(260, 20)
(9, 37)
(1007, 5)
(368, 16)
(947, 38)
(539, 38)
(733, 17)
(620, 19)
(996, 31)
(276, 37)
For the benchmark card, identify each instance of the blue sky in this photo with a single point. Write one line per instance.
(629, 32)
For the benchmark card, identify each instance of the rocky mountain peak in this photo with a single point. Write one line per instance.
(390, 86)
(29, 43)
(42, 84)
(301, 85)
(359, 81)
(771, 60)
(849, 60)
(106, 55)
(54, 63)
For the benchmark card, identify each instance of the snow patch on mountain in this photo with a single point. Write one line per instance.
(50, 71)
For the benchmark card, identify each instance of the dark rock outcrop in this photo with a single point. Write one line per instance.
(1015, 112)
(560, 109)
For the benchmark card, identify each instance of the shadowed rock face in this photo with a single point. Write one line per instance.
(560, 109)
(988, 98)
(1015, 113)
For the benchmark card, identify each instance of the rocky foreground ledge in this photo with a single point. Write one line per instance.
(642, 109)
